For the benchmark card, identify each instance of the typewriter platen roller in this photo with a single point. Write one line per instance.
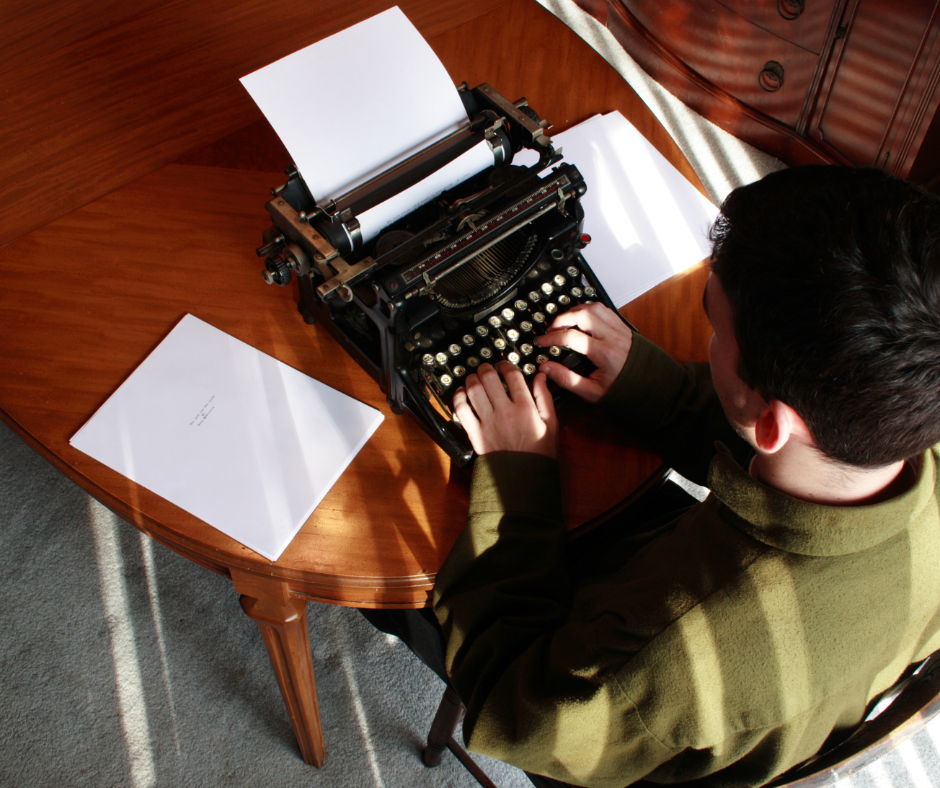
(471, 277)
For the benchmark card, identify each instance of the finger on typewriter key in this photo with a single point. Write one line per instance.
(596, 332)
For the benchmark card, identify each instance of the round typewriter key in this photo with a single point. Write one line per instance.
(427, 359)
(512, 334)
(551, 308)
(508, 314)
(437, 333)
(521, 305)
(526, 349)
(446, 380)
(499, 344)
(533, 274)
(409, 346)
(525, 325)
(576, 292)
(538, 317)
(459, 371)
(495, 321)
(563, 300)
(541, 358)
(545, 265)
(547, 288)
(557, 254)
(589, 292)
(513, 358)
(468, 340)
(534, 297)
(473, 361)
(425, 342)
(572, 271)
(486, 352)
(441, 358)
(454, 349)
(555, 350)
(529, 369)
(559, 280)
(483, 331)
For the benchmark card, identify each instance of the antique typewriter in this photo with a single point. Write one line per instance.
(471, 277)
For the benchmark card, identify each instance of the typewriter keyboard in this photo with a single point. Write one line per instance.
(443, 354)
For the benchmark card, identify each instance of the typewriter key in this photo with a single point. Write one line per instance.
(499, 344)
(409, 346)
(564, 300)
(486, 352)
(428, 360)
(513, 335)
(551, 308)
(454, 349)
(526, 349)
(555, 350)
(529, 369)
(468, 340)
(521, 305)
(541, 358)
(473, 361)
(513, 358)
(525, 325)
(534, 297)
(557, 254)
(538, 317)
(495, 321)
(576, 292)
(483, 331)
(589, 292)
(572, 271)
(508, 314)
(559, 280)
(459, 371)
(545, 265)
(425, 342)
(547, 288)
(441, 358)
(446, 380)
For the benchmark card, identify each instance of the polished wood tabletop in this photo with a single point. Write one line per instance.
(85, 298)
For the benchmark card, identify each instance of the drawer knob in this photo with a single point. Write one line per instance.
(789, 9)
(771, 78)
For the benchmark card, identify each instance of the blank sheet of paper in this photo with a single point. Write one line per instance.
(351, 105)
(230, 434)
(646, 221)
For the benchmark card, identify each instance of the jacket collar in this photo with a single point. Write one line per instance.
(786, 523)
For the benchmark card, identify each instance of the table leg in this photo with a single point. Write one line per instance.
(282, 620)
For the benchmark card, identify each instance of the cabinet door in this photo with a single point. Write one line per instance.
(879, 92)
(760, 69)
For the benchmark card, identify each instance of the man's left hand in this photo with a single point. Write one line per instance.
(515, 421)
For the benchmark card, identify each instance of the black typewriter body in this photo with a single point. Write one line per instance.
(469, 278)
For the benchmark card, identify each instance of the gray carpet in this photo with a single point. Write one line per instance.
(123, 664)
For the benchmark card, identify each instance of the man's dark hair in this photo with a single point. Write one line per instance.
(833, 275)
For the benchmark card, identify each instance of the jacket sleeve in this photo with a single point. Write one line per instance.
(672, 410)
(523, 652)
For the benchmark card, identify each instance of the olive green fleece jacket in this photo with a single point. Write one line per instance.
(726, 645)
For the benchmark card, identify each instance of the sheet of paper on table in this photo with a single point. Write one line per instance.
(646, 221)
(233, 436)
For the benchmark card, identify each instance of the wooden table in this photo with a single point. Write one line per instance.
(86, 297)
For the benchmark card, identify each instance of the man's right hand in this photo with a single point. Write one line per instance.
(594, 331)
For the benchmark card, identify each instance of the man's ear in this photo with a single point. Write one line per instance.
(776, 424)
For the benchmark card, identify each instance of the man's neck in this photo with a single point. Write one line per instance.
(803, 472)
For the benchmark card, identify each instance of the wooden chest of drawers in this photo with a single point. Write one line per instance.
(847, 81)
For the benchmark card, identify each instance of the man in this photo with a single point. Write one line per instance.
(729, 644)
